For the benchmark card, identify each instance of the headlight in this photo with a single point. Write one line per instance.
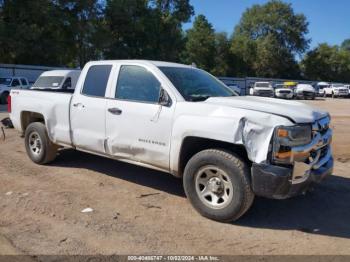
(287, 137)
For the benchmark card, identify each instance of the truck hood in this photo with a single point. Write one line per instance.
(295, 111)
(305, 88)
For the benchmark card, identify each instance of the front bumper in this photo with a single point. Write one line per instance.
(285, 95)
(274, 181)
(306, 94)
(265, 93)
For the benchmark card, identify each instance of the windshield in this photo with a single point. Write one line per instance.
(5, 81)
(196, 85)
(48, 81)
(338, 85)
(262, 85)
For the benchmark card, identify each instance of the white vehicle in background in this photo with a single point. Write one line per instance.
(283, 91)
(320, 87)
(348, 87)
(336, 90)
(305, 91)
(57, 79)
(263, 89)
(7, 83)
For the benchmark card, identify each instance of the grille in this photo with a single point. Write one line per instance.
(284, 91)
(265, 93)
(307, 93)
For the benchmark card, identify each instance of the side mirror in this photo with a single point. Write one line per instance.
(164, 98)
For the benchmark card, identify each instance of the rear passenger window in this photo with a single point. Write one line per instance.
(136, 83)
(24, 82)
(96, 80)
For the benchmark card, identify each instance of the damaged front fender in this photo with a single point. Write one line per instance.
(249, 128)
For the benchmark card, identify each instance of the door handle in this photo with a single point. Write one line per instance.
(78, 104)
(115, 111)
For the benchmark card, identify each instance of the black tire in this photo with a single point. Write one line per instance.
(3, 97)
(47, 152)
(239, 175)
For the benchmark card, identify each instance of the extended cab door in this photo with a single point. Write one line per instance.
(138, 128)
(88, 109)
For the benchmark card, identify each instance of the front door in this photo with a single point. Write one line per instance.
(88, 110)
(137, 126)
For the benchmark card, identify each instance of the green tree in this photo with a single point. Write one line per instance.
(327, 63)
(223, 59)
(146, 29)
(30, 33)
(346, 45)
(267, 39)
(200, 44)
(167, 35)
(82, 28)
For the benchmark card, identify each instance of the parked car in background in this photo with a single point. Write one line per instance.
(181, 120)
(320, 86)
(57, 79)
(283, 91)
(348, 87)
(336, 90)
(305, 91)
(231, 84)
(263, 89)
(7, 83)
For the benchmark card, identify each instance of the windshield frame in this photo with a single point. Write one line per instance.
(200, 97)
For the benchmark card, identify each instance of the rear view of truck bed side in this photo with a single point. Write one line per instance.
(51, 108)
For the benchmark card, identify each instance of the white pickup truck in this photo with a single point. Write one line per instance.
(181, 120)
(336, 90)
(263, 89)
(7, 83)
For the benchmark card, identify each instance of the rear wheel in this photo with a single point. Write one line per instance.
(38, 145)
(217, 183)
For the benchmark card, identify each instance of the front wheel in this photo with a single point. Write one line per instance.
(217, 183)
(38, 145)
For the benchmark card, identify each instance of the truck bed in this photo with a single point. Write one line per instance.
(52, 105)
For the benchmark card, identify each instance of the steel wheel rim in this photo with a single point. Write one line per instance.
(214, 187)
(35, 143)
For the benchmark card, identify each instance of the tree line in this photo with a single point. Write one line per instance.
(270, 40)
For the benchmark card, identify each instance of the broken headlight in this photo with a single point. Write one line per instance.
(285, 138)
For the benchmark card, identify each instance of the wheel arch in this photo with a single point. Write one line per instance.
(191, 145)
(28, 117)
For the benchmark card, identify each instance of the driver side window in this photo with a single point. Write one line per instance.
(136, 83)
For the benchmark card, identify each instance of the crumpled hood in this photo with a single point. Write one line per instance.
(295, 111)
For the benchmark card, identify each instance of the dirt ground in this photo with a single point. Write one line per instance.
(140, 211)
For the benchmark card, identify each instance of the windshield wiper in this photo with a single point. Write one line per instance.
(198, 98)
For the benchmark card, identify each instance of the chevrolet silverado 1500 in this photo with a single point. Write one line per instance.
(181, 120)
